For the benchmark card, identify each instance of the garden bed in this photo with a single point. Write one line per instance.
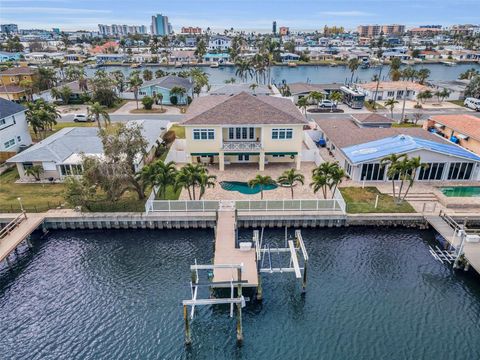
(324, 110)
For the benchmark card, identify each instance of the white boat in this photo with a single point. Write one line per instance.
(214, 65)
(449, 63)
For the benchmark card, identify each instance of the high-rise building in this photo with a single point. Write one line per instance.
(160, 25)
(274, 28)
(9, 28)
(377, 30)
(120, 30)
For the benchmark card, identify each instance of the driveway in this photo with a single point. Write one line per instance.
(132, 105)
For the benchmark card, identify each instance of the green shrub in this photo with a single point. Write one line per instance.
(173, 100)
(147, 102)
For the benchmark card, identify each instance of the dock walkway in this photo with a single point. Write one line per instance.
(19, 233)
(227, 253)
(449, 231)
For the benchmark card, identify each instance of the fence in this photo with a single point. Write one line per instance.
(181, 205)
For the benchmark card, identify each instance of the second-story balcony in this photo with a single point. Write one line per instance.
(242, 145)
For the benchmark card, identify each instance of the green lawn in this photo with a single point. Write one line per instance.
(369, 106)
(457, 102)
(363, 201)
(179, 131)
(117, 106)
(170, 194)
(35, 197)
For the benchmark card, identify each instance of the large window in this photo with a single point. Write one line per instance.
(203, 134)
(433, 172)
(74, 169)
(282, 134)
(241, 133)
(373, 172)
(9, 143)
(460, 171)
(348, 167)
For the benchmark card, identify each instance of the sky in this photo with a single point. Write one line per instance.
(250, 15)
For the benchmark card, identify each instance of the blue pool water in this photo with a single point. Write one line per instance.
(461, 191)
(244, 188)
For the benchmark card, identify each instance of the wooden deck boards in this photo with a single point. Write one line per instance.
(17, 235)
(227, 253)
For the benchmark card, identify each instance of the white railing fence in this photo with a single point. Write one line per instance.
(288, 205)
(341, 201)
(181, 206)
(241, 145)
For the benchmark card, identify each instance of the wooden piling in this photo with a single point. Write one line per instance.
(188, 338)
(304, 280)
(259, 288)
(239, 324)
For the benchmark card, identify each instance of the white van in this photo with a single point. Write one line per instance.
(472, 103)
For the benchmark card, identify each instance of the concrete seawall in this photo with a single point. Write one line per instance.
(202, 220)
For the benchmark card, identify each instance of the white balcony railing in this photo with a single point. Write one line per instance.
(242, 145)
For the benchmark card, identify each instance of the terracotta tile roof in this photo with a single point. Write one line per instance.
(19, 70)
(393, 85)
(241, 109)
(465, 124)
(345, 133)
(371, 118)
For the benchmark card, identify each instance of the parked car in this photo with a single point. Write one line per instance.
(83, 118)
(472, 103)
(326, 104)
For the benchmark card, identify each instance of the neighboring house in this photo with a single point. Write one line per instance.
(361, 151)
(43, 57)
(76, 91)
(219, 42)
(455, 87)
(10, 80)
(182, 56)
(110, 58)
(392, 90)
(218, 58)
(287, 57)
(8, 56)
(164, 85)
(463, 130)
(233, 89)
(61, 154)
(370, 120)
(74, 58)
(301, 90)
(243, 128)
(13, 127)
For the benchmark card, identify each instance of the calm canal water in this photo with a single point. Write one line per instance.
(116, 295)
(315, 74)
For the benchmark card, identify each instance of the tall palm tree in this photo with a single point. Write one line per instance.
(178, 91)
(253, 87)
(395, 64)
(99, 111)
(160, 174)
(135, 82)
(326, 176)
(413, 165)
(319, 182)
(244, 69)
(336, 177)
(391, 161)
(336, 97)
(316, 96)
(290, 178)
(205, 181)
(423, 75)
(261, 181)
(353, 65)
(391, 104)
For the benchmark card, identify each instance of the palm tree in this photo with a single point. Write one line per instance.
(290, 178)
(353, 65)
(244, 69)
(190, 176)
(35, 171)
(413, 165)
(336, 177)
(320, 182)
(395, 64)
(159, 174)
(423, 75)
(184, 180)
(326, 176)
(303, 104)
(391, 104)
(99, 111)
(336, 97)
(135, 82)
(253, 87)
(178, 92)
(392, 162)
(261, 182)
(205, 181)
(316, 96)
(232, 80)
(41, 116)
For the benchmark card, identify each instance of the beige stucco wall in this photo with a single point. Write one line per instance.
(203, 146)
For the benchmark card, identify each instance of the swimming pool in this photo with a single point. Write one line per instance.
(461, 191)
(242, 187)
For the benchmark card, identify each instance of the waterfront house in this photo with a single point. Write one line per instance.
(216, 58)
(361, 151)
(111, 58)
(61, 154)
(10, 79)
(13, 128)
(300, 90)
(219, 43)
(233, 89)
(287, 57)
(456, 88)
(243, 128)
(77, 89)
(164, 85)
(9, 56)
(43, 57)
(460, 129)
(392, 90)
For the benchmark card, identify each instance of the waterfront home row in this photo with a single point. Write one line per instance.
(62, 153)
(243, 128)
(360, 150)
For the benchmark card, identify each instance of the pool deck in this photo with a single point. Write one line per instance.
(227, 253)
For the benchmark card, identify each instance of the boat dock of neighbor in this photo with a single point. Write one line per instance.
(463, 242)
(235, 268)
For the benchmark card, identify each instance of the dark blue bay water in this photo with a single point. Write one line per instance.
(372, 294)
(314, 74)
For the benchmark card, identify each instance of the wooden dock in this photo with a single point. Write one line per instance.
(227, 253)
(17, 231)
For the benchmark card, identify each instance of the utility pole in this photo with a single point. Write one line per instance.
(403, 107)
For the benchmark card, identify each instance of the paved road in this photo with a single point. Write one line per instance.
(122, 118)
